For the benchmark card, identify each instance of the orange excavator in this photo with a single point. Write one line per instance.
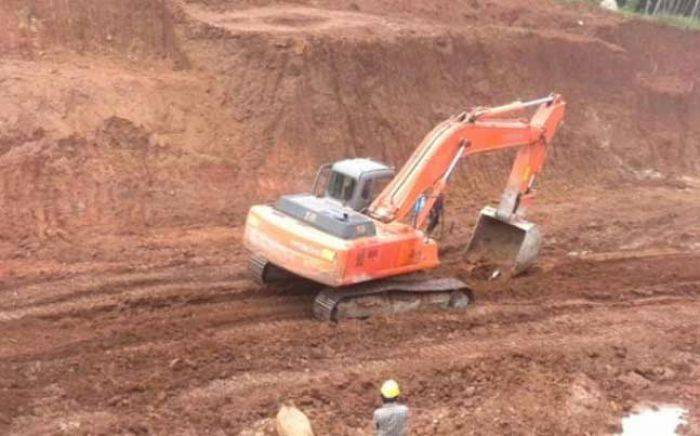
(364, 231)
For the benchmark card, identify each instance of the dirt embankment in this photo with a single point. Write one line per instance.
(335, 83)
(270, 92)
(129, 28)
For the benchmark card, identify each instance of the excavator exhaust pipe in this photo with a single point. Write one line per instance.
(509, 247)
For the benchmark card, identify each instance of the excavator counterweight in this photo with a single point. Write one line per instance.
(364, 231)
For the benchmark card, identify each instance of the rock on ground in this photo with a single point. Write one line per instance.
(292, 422)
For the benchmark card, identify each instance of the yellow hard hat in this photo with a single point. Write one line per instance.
(390, 389)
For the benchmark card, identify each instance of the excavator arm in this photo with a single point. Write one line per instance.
(428, 170)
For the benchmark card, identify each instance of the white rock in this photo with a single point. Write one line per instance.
(661, 421)
(292, 422)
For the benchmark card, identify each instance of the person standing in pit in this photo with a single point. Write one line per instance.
(392, 418)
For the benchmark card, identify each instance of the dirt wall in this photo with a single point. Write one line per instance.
(131, 28)
(273, 91)
(320, 91)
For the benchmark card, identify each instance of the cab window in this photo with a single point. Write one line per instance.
(341, 187)
(374, 187)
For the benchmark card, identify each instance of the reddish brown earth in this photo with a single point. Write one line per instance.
(135, 134)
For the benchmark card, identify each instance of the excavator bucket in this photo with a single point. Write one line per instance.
(508, 247)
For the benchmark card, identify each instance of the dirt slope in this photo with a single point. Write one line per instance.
(135, 135)
(273, 90)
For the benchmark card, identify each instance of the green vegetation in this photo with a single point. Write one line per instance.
(678, 13)
(682, 8)
(672, 20)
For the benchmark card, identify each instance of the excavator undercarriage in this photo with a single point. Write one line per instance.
(378, 297)
(390, 296)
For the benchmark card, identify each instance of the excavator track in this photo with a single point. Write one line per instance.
(265, 272)
(380, 297)
(389, 296)
(256, 268)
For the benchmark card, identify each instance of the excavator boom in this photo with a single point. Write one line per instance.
(479, 131)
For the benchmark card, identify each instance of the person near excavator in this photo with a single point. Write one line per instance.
(391, 419)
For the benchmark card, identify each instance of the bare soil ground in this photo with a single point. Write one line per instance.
(135, 135)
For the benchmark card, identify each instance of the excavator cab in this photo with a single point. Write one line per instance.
(340, 196)
(354, 183)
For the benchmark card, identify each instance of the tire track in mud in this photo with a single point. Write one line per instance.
(94, 304)
(195, 307)
(414, 354)
(412, 358)
(120, 304)
(131, 291)
(492, 314)
(148, 340)
(39, 298)
(420, 352)
(259, 326)
(268, 319)
(250, 313)
(56, 291)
